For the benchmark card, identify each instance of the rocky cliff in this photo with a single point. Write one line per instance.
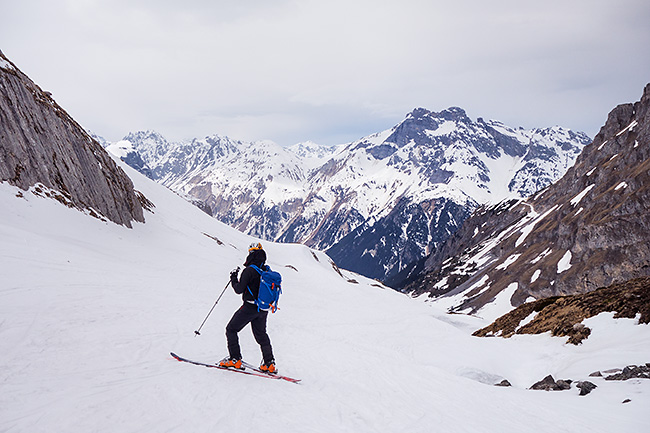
(588, 230)
(41, 143)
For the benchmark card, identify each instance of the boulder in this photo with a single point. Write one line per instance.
(546, 384)
(585, 387)
(632, 372)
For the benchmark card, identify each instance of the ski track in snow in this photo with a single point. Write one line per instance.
(89, 312)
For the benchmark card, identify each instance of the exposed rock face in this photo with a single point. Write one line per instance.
(588, 230)
(383, 244)
(562, 315)
(40, 142)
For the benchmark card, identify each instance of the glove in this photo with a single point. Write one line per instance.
(233, 274)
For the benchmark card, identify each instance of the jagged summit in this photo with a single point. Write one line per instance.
(146, 135)
(451, 113)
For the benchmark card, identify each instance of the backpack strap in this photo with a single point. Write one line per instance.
(267, 268)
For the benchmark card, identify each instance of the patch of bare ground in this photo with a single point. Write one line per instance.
(563, 315)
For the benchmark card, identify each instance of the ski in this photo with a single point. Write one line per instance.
(273, 376)
(255, 371)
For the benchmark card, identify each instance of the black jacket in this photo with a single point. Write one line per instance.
(250, 278)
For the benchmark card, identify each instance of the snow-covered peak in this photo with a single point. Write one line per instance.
(148, 136)
(121, 148)
(480, 158)
(98, 138)
(150, 144)
(311, 150)
(451, 113)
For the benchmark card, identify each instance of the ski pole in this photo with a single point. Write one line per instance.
(215, 304)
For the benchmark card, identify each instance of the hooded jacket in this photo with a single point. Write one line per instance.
(250, 278)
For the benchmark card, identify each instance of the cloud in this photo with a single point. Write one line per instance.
(331, 71)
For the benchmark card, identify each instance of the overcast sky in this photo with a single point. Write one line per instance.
(329, 71)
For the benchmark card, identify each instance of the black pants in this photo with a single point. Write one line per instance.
(248, 314)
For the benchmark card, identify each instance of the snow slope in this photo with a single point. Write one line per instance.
(89, 312)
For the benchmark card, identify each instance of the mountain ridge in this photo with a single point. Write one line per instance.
(587, 230)
(345, 199)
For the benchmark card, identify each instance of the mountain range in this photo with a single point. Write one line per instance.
(588, 230)
(375, 205)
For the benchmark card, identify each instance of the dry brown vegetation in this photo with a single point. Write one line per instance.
(563, 315)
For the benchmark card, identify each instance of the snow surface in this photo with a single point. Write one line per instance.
(501, 303)
(544, 253)
(507, 262)
(575, 200)
(121, 148)
(565, 263)
(89, 312)
(5, 64)
(530, 222)
(527, 320)
(628, 128)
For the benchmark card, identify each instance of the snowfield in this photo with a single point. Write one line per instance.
(89, 312)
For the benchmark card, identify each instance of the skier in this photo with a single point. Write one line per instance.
(248, 286)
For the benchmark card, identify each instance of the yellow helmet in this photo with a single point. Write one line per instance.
(255, 246)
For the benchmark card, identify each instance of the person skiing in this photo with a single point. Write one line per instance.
(248, 286)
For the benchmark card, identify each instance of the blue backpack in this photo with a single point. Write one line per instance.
(270, 289)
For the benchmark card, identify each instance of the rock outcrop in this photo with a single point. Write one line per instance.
(563, 315)
(585, 386)
(41, 143)
(632, 372)
(549, 384)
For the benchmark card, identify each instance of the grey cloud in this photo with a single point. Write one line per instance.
(291, 71)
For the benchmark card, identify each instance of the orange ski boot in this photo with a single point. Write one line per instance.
(269, 367)
(231, 363)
